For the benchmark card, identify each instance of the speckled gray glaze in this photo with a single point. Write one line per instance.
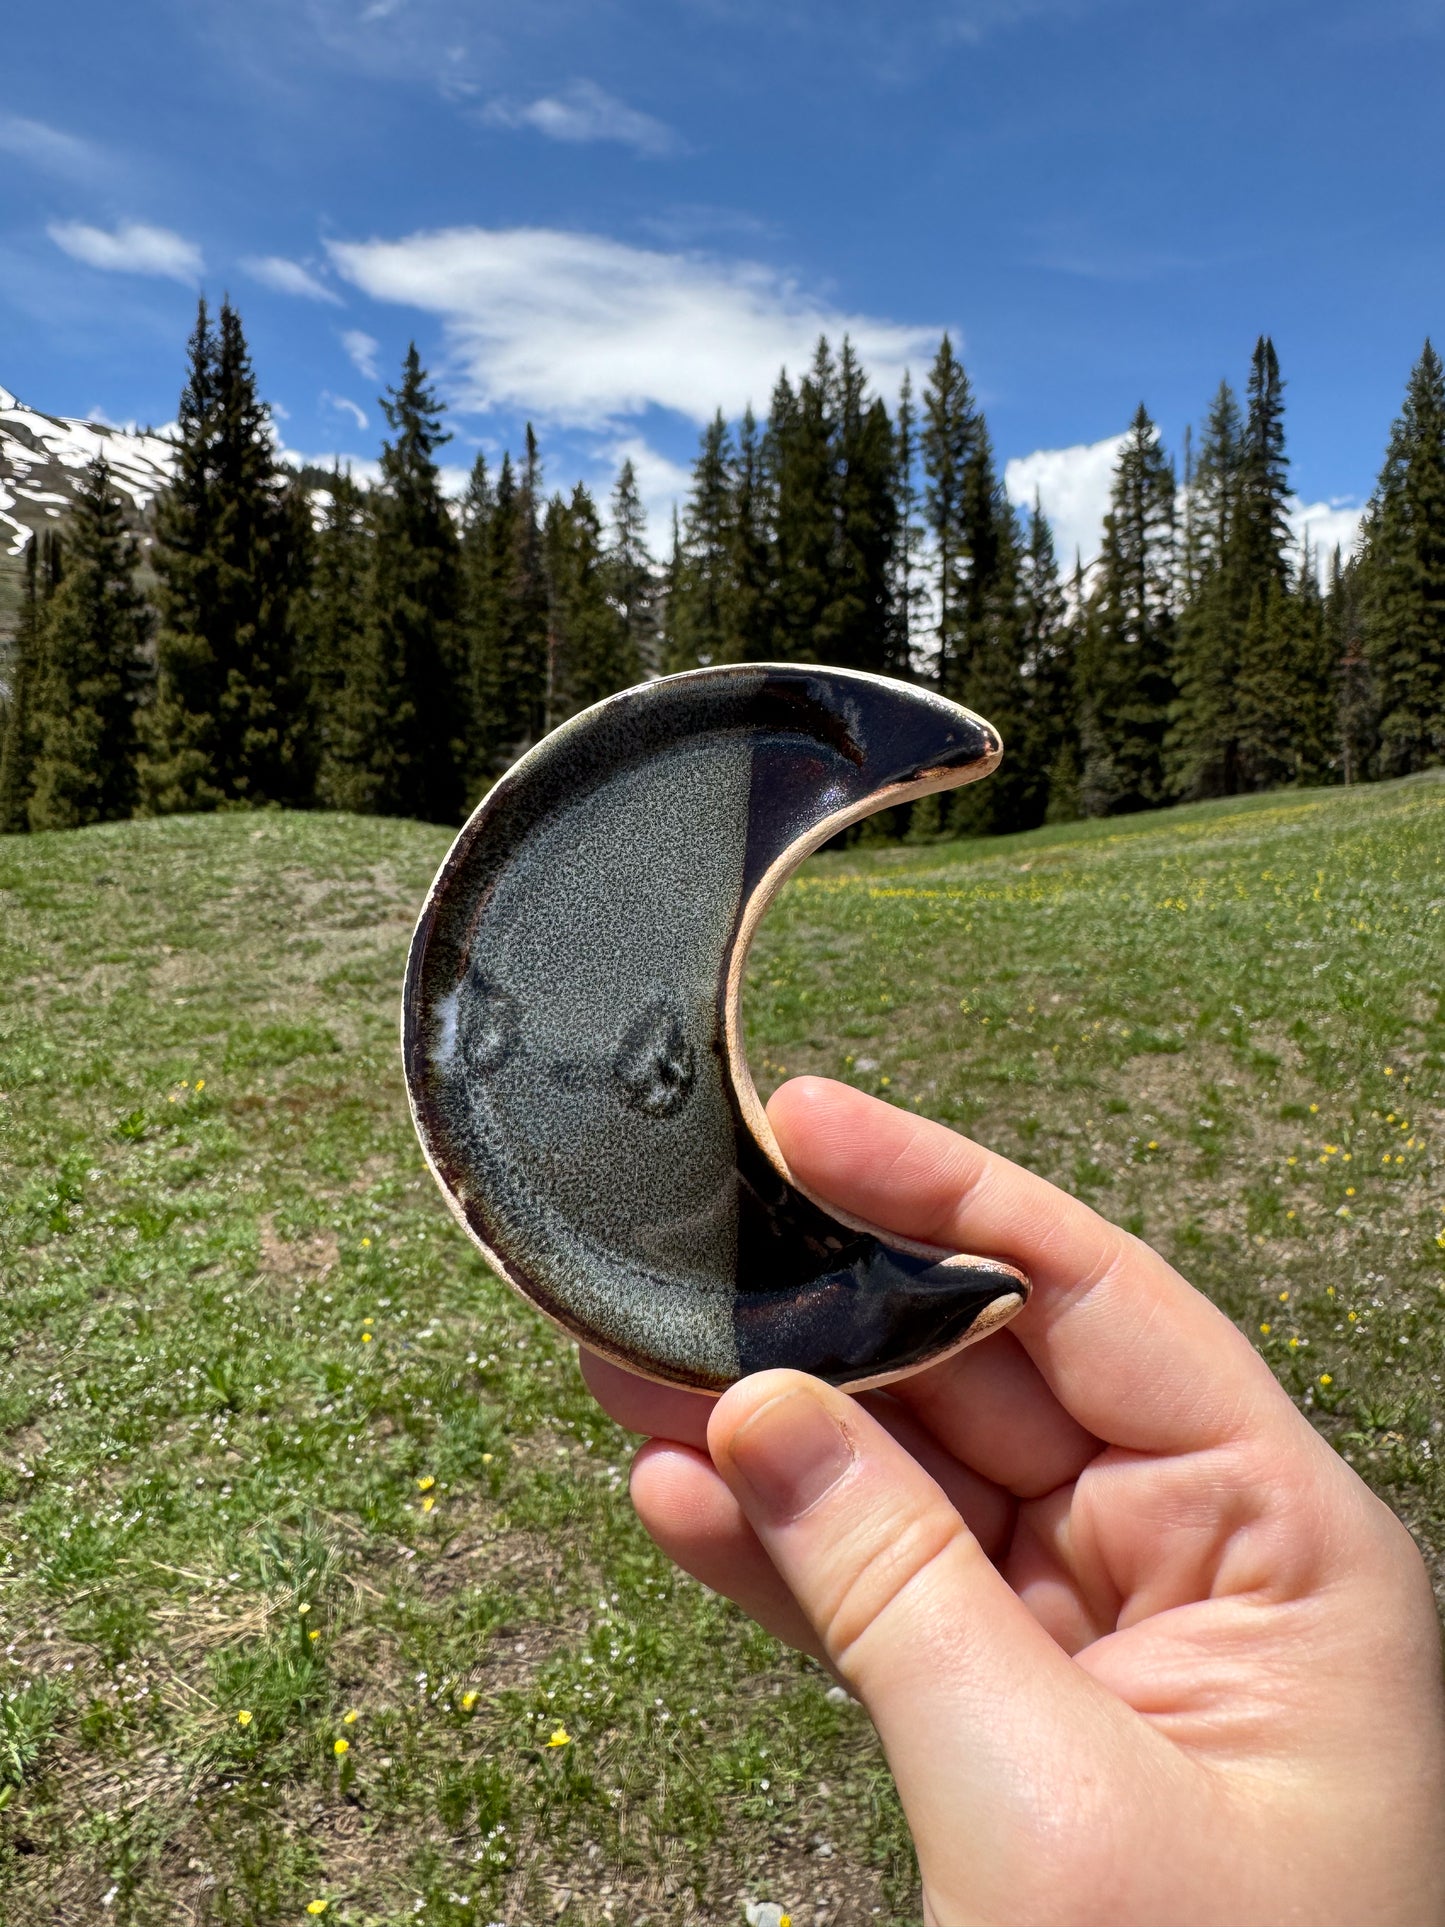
(571, 1035)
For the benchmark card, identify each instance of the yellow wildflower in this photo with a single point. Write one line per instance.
(1266, 1329)
(469, 1700)
(1326, 1379)
(1354, 1318)
(366, 1338)
(1313, 1109)
(427, 1503)
(486, 1458)
(244, 1718)
(1349, 1191)
(350, 1719)
(304, 1608)
(1153, 1144)
(366, 1244)
(317, 1906)
(560, 1737)
(1284, 1298)
(315, 1633)
(200, 1083)
(1294, 1344)
(426, 1484)
(340, 1748)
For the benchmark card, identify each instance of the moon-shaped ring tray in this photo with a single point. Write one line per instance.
(573, 1042)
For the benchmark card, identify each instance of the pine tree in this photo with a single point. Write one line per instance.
(1402, 572)
(1315, 742)
(591, 651)
(801, 455)
(701, 592)
(748, 611)
(1357, 709)
(333, 635)
(1048, 748)
(672, 614)
(228, 723)
(1125, 667)
(477, 628)
(1257, 561)
(93, 669)
(950, 425)
(909, 590)
(414, 716)
(856, 623)
(18, 730)
(1202, 742)
(630, 576)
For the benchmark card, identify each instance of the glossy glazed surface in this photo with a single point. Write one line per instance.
(570, 1028)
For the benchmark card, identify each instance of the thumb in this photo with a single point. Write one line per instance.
(981, 1714)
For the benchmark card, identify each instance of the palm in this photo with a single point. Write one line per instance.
(1187, 1613)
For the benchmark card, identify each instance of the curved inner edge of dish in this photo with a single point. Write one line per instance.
(738, 1068)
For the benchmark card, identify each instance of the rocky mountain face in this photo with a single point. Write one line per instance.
(41, 460)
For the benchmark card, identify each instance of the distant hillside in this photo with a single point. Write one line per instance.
(41, 459)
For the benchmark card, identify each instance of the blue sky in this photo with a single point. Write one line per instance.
(614, 215)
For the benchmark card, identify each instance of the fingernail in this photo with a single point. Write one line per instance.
(789, 1453)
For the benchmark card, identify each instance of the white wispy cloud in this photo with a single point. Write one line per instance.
(583, 112)
(345, 406)
(361, 348)
(586, 331)
(132, 248)
(48, 148)
(289, 277)
(1073, 486)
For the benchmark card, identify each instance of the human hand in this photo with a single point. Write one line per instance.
(1139, 1646)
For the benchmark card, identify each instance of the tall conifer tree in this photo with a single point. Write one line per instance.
(1125, 665)
(333, 634)
(946, 444)
(18, 729)
(748, 614)
(630, 576)
(702, 591)
(411, 708)
(592, 652)
(856, 624)
(1402, 573)
(93, 667)
(228, 723)
(1203, 737)
(801, 458)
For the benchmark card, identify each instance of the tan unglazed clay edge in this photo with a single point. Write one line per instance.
(994, 1316)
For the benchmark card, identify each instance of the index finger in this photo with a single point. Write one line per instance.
(1128, 1348)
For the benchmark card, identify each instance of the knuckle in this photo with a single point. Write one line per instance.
(893, 1575)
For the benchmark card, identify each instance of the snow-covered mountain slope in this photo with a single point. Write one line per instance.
(41, 459)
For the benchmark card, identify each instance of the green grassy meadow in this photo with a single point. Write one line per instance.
(318, 1583)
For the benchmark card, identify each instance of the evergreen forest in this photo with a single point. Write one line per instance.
(299, 639)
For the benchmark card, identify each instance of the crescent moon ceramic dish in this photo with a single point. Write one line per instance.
(572, 1033)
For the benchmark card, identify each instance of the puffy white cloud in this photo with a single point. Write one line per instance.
(1073, 486)
(362, 350)
(584, 330)
(132, 248)
(1328, 525)
(289, 277)
(48, 148)
(585, 112)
